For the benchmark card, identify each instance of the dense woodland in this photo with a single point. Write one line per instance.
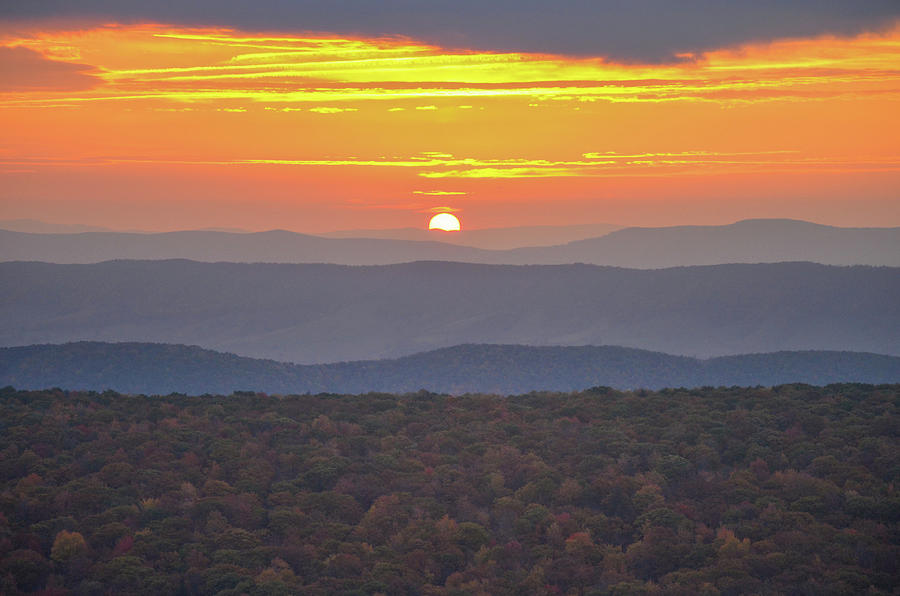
(788, 489)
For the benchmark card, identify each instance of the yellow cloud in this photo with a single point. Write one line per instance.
(332, 110)
(156, 62)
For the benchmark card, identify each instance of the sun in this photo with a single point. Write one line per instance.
(444, 221)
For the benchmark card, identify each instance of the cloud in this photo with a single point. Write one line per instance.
(27, 70)
(592, 165)
(331, 110)
(630, 30)
(331, 74)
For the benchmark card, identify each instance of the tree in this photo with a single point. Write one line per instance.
(67, 545)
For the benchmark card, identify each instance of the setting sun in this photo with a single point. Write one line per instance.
(444, 221)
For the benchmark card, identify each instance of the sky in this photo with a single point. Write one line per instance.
(323, 116)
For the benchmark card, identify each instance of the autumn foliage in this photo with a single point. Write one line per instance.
(788, 489)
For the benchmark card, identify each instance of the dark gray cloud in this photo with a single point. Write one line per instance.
(652, 30)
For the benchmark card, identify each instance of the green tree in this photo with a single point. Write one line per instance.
(67, 545)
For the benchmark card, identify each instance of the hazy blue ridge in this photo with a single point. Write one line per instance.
(315, 314)
(748, 241)
(505, 369)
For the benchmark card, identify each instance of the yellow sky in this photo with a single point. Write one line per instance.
(164, 127)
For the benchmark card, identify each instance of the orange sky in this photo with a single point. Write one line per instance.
(159, 127)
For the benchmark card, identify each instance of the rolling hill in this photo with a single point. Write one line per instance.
(329, 313)
(163, 369)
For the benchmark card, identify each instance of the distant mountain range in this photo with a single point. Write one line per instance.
(750, 241)
(276, 246)
(329, 313)
(489, 238)
(162, 369)
(36, 226)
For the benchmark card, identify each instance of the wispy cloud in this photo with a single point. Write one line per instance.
(605, 164)
(210, 65)
(332, 110)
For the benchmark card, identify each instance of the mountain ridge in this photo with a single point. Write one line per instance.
(316, 313)
(746, 241)
(505, 238)
(153, 368)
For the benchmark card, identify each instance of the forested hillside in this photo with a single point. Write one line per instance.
(789, 490)
(162, 369)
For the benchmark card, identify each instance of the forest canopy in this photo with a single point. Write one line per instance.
(789, 489)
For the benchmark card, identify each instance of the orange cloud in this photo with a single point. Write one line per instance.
(595, 165)
(209, 65)
(27, 70)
